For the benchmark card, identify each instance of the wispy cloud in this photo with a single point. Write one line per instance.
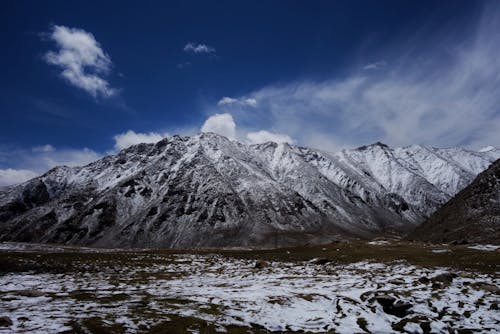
(83, 62)
(263, 136)
(43, 148)
(11, 176)
(449, 100)
(67, 157)
(375, 66)
(228, 101)
(199, 48)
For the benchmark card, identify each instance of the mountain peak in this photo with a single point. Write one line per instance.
(376, 144)
(211, 135)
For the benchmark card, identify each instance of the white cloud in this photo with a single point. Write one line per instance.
(263, 136)
(83, 62)
(375, 66)
(11, 176)
(43, 148)
(198, 48)
(251, 102)
(129, 138)
(227, 101)
(222, 124)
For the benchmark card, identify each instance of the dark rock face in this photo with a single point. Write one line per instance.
(209, 191)
(35, 194)
(261, 264)
(444, 278)
(392, 306)
(5, 322)
(473, 215)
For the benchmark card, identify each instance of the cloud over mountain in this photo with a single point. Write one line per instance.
(416, 97)
(222, 124)
(129, 138)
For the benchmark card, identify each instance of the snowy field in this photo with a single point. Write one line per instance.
(205, 293)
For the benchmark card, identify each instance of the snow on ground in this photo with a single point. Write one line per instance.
(379, 243)
(438, 251)
(292, 296)
(485, 247)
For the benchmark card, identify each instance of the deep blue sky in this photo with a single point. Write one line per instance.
(258, 45)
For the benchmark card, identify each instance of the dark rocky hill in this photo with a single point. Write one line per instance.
(473, 215)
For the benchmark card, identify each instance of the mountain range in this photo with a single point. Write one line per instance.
(210, 191)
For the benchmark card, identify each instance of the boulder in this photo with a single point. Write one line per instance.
(5, 321)
(392, 306)
(443, 278)
(261, 264)
(485, 287)
(30, 293)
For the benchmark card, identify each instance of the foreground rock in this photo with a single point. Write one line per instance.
(443, 278)
(5, 322)
(392, 306)
(261, 264)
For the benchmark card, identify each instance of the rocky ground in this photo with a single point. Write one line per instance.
(355, 287)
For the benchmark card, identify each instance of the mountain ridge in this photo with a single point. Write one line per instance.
(207, 190)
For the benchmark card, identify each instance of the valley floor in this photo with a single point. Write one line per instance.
(351, 287)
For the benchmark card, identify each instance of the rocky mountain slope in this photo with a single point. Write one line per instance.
(207, 190)
(472, 215)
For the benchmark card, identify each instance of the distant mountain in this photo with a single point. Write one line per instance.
(472, 215)
(207, 190)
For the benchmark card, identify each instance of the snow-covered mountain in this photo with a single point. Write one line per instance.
(207, 190)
